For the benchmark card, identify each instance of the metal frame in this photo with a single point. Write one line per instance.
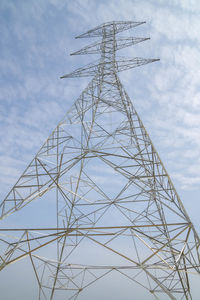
(128, 199)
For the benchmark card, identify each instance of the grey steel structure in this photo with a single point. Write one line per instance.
(112, 193)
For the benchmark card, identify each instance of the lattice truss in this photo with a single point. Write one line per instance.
(116, 207)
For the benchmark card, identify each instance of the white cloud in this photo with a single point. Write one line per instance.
(187, 5)
(173, 87)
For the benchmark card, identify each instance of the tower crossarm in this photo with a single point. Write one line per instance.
(109, 28)
(108, 63)
(121, 64)
(121, 42)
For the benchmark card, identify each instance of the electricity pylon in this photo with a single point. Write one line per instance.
(112, 193)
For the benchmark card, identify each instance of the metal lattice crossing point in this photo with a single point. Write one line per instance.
(117, 210)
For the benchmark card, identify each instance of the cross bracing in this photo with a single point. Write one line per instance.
(112, 193)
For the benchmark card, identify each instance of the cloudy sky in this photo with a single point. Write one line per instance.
(37, 37)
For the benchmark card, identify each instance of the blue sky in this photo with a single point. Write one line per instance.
(36, 40)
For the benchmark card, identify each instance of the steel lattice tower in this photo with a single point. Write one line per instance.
(111, 191)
